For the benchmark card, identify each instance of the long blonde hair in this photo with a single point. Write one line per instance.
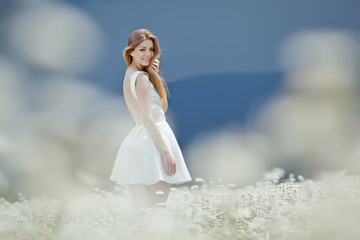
(135, 39)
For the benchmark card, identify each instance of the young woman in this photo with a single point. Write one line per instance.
(149, 159)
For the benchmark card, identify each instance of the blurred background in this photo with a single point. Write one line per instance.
(253, 85)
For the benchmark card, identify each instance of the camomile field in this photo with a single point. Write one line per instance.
(273, 208)
(290, 171)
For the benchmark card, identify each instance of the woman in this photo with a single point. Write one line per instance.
(149, 159)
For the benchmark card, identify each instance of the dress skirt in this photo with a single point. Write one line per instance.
(138, 161)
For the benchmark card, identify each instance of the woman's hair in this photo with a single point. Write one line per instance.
(135, 39)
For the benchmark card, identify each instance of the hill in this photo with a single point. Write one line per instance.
(206, 102)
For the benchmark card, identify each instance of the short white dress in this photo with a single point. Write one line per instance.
(138, 161)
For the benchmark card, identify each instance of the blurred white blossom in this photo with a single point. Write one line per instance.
(56, 37)
(313, 125)
(233, 157)
(59, 133)
(267, 210)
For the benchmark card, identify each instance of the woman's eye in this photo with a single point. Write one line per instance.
(142, 50)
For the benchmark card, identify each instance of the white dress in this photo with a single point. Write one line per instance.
(138, 160)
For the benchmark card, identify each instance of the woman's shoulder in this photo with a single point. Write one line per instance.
(136, 77)
(142, 75)
(142, 78)
(129, 74)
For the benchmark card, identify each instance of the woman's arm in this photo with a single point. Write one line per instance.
(143, 97)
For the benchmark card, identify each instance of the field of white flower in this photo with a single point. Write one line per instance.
(273, 208)
(60, 130)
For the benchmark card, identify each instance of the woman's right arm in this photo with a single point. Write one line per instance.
(144, 106)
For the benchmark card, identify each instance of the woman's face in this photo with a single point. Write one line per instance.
(143, 53)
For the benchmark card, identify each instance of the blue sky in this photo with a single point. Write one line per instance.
(208, 37)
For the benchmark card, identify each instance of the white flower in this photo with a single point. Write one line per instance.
(194, 187)
(301, 178)
(199, 180)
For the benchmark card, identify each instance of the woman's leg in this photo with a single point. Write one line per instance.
(158, 198)
(140, 195)
(145, 195)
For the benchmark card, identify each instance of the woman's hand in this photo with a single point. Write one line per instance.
(168, 163)
(156, 65)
